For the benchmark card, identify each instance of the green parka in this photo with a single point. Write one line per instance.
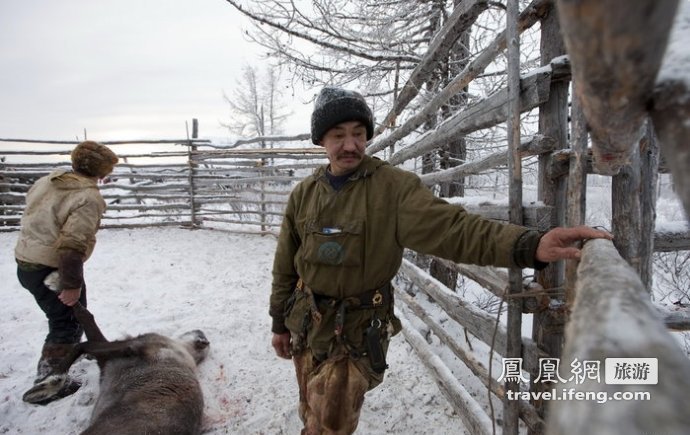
(342, 243)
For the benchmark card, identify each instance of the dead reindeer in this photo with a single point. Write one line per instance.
(148, 384)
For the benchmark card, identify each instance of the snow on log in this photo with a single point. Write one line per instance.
(615, 48)
(613, 318)
(477, 321)
(472, 414)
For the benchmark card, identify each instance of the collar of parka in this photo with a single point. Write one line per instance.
(366, 168)
(71, 180)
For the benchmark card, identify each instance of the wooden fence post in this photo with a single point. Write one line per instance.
(549, 319)
(195, 222)
(577, 187)
(625, 209)
(4, 193)
(649, 176)
(511, 410)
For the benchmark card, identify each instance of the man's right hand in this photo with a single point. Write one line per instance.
(69, 297)
(281, 344)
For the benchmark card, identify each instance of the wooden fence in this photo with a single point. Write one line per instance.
(614, 318)
(203, 186)
(186, 183)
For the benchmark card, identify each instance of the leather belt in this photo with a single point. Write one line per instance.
(376, 298)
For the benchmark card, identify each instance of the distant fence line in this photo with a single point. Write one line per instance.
(242, 190)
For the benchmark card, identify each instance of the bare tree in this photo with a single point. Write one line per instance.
(255, 104)
(328, 41)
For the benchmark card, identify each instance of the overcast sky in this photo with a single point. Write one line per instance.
(121, 69)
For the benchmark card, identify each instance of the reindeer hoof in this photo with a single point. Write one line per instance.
(51, 388)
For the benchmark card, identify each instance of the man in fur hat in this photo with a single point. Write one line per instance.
(58, 234)
(340, 245)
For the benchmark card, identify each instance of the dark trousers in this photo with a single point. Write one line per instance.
(63, 327)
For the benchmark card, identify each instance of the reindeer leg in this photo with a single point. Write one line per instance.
(87, 321)
(51, 387)
(54, 385)
(105, 351)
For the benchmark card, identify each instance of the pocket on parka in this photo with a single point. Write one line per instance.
(335, 246)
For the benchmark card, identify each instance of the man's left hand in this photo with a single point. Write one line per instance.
(557, 244)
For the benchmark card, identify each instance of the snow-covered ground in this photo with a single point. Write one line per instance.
(170, 281)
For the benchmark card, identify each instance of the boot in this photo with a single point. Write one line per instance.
(51, 356)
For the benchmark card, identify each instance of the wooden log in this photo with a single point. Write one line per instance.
(472, 414)
(236, 231)
(534, 216)
(271, 192)
(251, 165)
(157, 176)
(491, 278)
(243, 222)
(614, 68)
(671, 106)
(559, 166)
(649, 177)
(12, 187)
(192, 175)
(11, 198)
(166, 187)
(125, 207)
(109, 142)
(625, 209)
(286, 153)
(262, 139)
(158, 154)
(148, 207)
(221, 196)
(496, 282)
(668, 241)
(478, 322)
(527, 412)
(180, 224)
(548, 320)
(537, 144)
(511, 410)
(244, 212)
(238, 201)
(487, 113)
(613, 318)
(577, 188)
(248, 180)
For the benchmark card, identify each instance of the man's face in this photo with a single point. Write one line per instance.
(345, 145)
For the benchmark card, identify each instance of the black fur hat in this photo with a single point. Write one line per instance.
(335, 105)
(93, 159)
